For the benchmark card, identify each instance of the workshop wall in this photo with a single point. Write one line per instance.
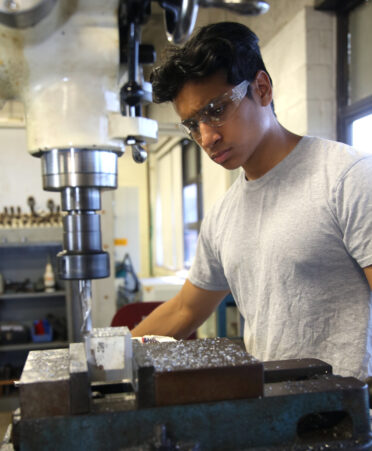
(20, 173)
(301, 60)
(131, 174)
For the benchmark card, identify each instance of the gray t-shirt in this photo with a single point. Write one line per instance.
(290, 246)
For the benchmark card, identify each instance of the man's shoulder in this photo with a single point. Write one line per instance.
(332, 147)
(335, 156)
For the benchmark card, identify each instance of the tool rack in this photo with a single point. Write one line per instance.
(24, 253)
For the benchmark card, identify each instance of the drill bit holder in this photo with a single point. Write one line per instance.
(80, 175)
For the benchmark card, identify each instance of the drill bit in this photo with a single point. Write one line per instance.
(85, 291)
(85, 294)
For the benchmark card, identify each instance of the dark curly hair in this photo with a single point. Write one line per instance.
(228, 46)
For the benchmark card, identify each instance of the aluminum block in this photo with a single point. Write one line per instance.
(44, 386)
(194, 371)
(80, 392)
(109, 354)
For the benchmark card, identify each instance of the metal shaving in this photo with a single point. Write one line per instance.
(196, 354)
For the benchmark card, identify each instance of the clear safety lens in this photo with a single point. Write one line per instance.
(217, 112)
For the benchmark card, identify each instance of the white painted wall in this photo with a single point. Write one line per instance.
(131, 174)
(20, 173)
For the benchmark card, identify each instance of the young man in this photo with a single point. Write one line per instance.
(291, 239)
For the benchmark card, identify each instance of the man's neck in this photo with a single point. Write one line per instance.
(274, 147)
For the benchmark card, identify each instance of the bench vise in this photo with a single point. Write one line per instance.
(206, 394)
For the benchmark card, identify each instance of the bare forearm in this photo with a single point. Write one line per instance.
(182, 315)
(169, 320)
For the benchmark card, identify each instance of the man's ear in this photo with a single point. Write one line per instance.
(263, 88)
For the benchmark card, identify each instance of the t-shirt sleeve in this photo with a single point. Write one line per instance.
(353, 204)
(206, 271)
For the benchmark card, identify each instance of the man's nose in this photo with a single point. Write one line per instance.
(209, 136)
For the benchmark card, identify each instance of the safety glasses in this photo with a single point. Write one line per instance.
(217, 112)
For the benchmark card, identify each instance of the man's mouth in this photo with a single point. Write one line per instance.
(221, 157)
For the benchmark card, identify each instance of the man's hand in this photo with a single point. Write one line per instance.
(182, 315)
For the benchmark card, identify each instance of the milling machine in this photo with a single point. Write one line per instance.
(77, 67)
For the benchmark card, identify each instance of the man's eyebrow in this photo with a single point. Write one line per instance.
(192, 116)
(195, 113)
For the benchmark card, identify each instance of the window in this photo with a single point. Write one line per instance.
(177, 203)
(361, 133)
(191, 198)
(354, 66)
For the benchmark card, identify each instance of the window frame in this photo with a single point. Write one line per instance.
(346, 113)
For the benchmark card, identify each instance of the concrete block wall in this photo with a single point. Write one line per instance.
(301, 59)
(321, 73)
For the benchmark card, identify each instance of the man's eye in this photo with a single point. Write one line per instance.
(217, 111)
(192, 125)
